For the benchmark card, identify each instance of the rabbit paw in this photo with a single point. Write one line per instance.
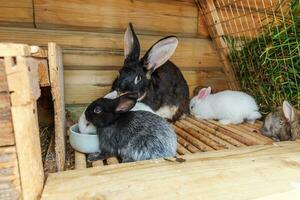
(225, 121)
(95, 156)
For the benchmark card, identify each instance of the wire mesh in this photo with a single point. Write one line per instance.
(262, 42)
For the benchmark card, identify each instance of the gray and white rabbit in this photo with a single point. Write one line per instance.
(88, 128)
(282, 124)
(129, 135)
(227, 106)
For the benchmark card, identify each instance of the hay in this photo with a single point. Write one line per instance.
(268, 67)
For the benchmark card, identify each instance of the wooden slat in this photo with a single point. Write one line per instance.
(207, 140)
(200, 145)
(80, 160)
(16, 13)
(237, 137)
(11, 49)
(215, 130)
(249, 137)
(252, 133)
(236, 174)
(112, 161)
(24, 88)
(97, 163)
(10, 179)
(96, 83)
(166, 16)
(200, 137)
(57, 90)
(188, 146)
(106, 49)
(6, 135)
(181, 150)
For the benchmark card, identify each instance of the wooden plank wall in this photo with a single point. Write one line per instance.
(91, 36)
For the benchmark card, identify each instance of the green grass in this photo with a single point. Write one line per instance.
(268, 67)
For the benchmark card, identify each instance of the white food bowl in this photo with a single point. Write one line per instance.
(85, 143)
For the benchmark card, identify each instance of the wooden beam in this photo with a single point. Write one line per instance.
(23, 85)
(238, 174)
(57, 90)
(164, 17)
(86, 49)
(16, 13)
(11, 49)
(96, 83)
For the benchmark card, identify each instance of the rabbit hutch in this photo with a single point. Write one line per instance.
(56, 57)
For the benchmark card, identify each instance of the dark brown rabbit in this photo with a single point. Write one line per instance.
(282, 124)
(158, 82)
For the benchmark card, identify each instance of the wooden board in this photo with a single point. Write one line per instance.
(23, 84)
(6, 135)
(105, 50)
(57, 90)
(240, 174)
(93, 84)
(16, 13)
(166, 16)
(10, 187)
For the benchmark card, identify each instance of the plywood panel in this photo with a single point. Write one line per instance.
(106, 49)
(238, 174)
(84, 86)
(166, 16)
(16, 13)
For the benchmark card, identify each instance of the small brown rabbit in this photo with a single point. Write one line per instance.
(282, 124)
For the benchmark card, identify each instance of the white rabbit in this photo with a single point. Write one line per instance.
(226, 106)
(87, 128)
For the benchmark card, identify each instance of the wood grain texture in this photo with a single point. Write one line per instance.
(85, 49)
(238, 174)
(23, 84)
(57, 90)
(16, 13)
(10, 187)
(93, 84)
(166, 16)
(80, 160)
(6, 135)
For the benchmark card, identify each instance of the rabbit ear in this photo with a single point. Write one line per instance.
(131, 44)
(160, 53)
(204, 92)
(288, 111)
(126, 102)
(111, 95)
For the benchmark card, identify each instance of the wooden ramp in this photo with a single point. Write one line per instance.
(194, 135)
(256, 172)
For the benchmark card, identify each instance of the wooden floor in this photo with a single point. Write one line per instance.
(260, 172)
(194, 135)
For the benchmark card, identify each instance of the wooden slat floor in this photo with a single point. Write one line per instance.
(195, 135)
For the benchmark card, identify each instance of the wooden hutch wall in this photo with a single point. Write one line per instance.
(91, 35)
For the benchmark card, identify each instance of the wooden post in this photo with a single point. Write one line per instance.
(23, 84)
(57, 90)
(216, 32)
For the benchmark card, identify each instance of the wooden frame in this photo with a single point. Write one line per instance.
(23, 69)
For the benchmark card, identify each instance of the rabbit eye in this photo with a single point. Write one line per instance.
(137, 79)
(97, 110)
